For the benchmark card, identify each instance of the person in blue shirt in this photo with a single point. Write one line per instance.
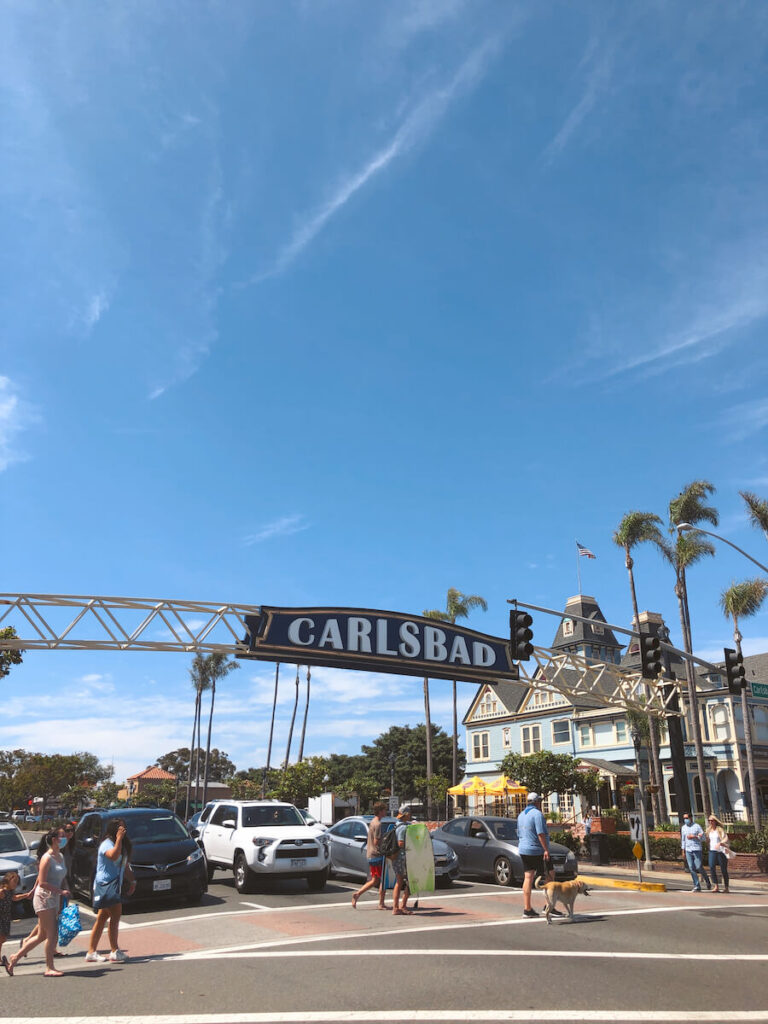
(691, 835)
(533, 847)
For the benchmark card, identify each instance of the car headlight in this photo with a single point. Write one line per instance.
(195, 855)
(262, 841)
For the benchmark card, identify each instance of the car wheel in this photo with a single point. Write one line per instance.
(317, 881)
(502, 871)
(244, 879)
(195, 897)
(443, 882)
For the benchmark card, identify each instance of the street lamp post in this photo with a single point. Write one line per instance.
(683, 527)
(391, 781)
(643, 820)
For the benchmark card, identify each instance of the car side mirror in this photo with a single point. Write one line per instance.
(33, 846)
(195, 833)
(229, 823)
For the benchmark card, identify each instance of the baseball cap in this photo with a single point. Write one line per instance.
(533, 797)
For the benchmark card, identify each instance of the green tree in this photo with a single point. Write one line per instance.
(200, 682)
(162, 793)
(740, 601)
(545, 772)
(643, 528)
(106, 794)
(457, 606)
(177, 763)
(9, 656)
(206, 670)
(217, 668)
(685, 551)
(758, 510)
(408, 747)
(52, 776)
(244, 788)
(296, 783)
(11, 792)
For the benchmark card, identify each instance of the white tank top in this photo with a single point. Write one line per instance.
(714, 839)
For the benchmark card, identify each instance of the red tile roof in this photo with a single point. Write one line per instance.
(153, 772)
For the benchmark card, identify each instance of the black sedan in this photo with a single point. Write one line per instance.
(165, 859)
(488, 846)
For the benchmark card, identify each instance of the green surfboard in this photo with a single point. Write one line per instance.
(419, 859)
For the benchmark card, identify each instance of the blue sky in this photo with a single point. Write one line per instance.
(348, 303)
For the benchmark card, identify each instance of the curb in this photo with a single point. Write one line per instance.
(619, 883)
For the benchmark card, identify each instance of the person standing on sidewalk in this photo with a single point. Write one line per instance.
(718, 841)
(375, 858)
(401, 891)
(533, 847)
(691, 835)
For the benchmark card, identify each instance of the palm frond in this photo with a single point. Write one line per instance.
(758, 510)
(636, 528)
(689, 507)
(741, 600)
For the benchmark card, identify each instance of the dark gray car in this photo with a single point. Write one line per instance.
(348, 840)
(488, 846)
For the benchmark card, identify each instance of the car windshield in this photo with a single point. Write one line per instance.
(504, 830)
(155, 828)
(256, 816)
(11, 841)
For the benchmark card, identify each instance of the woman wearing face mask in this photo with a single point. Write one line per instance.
(50, 887)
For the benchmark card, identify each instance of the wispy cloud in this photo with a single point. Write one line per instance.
(97, 306)
(15, 416)
(600, 63)
(747, 419)
(282, 527)
(416, 126)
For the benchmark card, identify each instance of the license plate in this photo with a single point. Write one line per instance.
(299, 862)
(161, 884)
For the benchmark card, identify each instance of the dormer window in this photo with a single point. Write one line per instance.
(567, 627)
(597, 629)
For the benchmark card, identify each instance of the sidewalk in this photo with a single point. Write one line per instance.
(674, 878)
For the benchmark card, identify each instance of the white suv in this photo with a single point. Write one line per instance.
(263, 838)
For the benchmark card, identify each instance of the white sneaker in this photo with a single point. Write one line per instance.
(95, 958)
(117, 956)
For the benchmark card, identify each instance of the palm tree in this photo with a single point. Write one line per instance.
(293, 720)
(637, 528)
(304, 724)
(690, 507)
(217, 667)
(199, 678)
(457, 606)
(758, 511)
(740, 601)
(271, 734)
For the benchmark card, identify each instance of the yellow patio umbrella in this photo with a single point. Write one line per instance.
(504, 786)
(469, 787)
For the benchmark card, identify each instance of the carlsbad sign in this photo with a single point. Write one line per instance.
(377, 641)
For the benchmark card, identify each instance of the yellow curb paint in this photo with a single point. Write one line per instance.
(620, 883)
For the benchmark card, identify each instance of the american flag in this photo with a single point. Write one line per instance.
(585, 551)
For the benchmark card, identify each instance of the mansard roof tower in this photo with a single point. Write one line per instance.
(594, 640)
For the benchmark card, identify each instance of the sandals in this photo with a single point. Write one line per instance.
(8, 967)
(355, 898)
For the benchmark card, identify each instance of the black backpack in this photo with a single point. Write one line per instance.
(389, 846)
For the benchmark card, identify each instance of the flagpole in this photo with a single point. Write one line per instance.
(578, 565)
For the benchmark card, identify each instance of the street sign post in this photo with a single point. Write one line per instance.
(394, 803)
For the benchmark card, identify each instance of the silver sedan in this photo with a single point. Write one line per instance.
(488, 846)
(348, 838)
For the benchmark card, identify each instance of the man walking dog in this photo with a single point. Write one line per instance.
(533, 847)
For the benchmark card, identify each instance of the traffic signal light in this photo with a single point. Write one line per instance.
(520, 635)
(734, 671)
(650, 655)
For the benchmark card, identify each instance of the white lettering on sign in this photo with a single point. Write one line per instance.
(414, 640)
(294, 632)
(359, 634)
(434, 644)
(482, 655)
(381, 638)
(331, 635)
(459, 651)
(409, 645)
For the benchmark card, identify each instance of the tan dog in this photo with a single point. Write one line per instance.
(563, 892)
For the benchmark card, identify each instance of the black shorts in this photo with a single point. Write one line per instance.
(533, 862)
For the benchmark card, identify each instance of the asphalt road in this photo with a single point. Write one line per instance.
(466, 954)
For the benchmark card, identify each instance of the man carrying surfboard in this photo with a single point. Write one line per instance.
(375, 858)
(400, 867)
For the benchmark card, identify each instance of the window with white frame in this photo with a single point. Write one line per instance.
(480, 746)
(567, 627)
(531, 739)
(488, 705)
(721, 726)
(620, 730)
(506, 737)
(561, 731)
(586, 736)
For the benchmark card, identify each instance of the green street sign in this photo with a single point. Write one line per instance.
(759, 689)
